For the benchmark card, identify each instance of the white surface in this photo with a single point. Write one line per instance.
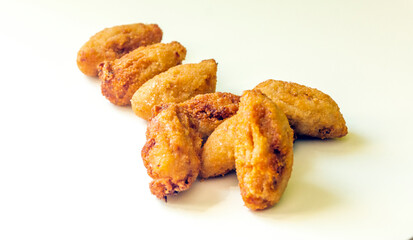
(70, 165)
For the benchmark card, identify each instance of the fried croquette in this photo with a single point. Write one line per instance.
(263, 150)
(112, 43)
(175, 85)
(309, 111)
(123, 76)
(174, 138)
(171, 154)
(217, 157)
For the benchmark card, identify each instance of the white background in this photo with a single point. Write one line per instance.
(70, 165)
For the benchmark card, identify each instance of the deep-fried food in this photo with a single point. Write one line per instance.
(174, 138)
(303, 106)
(263, 150)
(217, 156)
(211, 133)
(175, 85)
(112, 43)
(207, 111)
(258, 141)
(123, 76)
(309, 111)
(171, 153)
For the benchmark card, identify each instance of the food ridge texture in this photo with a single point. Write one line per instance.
(263, 151)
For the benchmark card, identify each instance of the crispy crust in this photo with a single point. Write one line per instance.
(122, 77)
(174, 139)
(171, 153)
(263, 151)
(309, 111)
(175, 85)
(112, 43)
(217, 157)
(206, 111)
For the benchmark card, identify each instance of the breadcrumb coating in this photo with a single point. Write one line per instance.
(309, 111)
(258, 143)
(171, 153)
(174, 138)
(112, 43)
(207, 111)
(263, 151)
(175, 85)
(217, 157)
(122, 77)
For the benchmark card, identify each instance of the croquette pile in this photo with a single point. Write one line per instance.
(194, 132)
